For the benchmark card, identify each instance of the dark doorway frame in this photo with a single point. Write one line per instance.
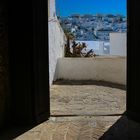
(28, 61)
(133, 69)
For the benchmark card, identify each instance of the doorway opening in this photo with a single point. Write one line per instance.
(95, 86)
(102, 27)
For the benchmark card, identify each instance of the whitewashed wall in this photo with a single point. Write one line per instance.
(98, 46)
(118, 44)
(57, 41)
(52, 9)
(110, 69)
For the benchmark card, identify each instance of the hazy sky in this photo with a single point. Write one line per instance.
(68, 7)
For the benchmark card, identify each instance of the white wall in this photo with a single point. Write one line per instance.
(111, 69)
(52, 9)
(57, 41)
(97, 46)
(118, 44)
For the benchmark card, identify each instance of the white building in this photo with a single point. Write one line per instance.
(118, 44)
(73, 30)
(99, 47)
(82, 32)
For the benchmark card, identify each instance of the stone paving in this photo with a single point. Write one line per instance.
(84, 128)
(85, 112)
(86, 100)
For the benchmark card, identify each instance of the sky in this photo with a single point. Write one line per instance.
(68, 7)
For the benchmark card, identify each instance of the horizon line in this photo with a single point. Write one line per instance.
(92, 14)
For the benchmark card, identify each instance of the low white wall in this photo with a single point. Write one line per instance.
(118, 44)
(111, 69)
(57, 41)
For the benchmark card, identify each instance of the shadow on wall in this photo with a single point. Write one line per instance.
(123, 129)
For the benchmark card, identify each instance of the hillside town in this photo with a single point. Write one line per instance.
(93, 27)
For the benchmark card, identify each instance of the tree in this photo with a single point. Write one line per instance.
(77, 48)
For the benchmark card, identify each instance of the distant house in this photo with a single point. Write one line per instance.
(76, 16)
(118, 45)
(73, 30)
(87, 16)
(124, 19)
(82, 32)
(103, 34)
